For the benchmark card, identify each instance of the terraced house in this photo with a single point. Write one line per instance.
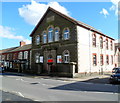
(64, 46)
(17, 59)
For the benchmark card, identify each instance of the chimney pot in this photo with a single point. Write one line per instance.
(22, 43)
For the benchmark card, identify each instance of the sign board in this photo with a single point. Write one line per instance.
(50, 60)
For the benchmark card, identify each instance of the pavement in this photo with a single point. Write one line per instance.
(104, 79)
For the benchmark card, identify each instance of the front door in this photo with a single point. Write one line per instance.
(49, 60)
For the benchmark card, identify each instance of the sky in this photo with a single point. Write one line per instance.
(19, 18)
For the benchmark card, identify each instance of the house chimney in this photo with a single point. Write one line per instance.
(22, 43)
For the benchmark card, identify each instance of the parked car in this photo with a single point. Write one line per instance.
(115, 77)
(2, 69)
(116, 70)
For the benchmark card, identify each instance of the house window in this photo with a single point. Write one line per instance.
(101, 42)
(94, 40)
(56, 34)
(66, 34)
(7, 56)
(37, 40)
(106, 43)
(41, 59)
(94, 59)
(0, 57)
(111, 59)
(59, 59)
(66, 56)
(111, 45)
(25, 54)
(20, 55)
(107, 59)
(101, 59)
(44, 37)
(15, 56)
(50, 34)
(37, 58)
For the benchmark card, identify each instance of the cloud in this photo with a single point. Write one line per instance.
(7, 32)
(104, 12)
(33, 12)
(114, 6)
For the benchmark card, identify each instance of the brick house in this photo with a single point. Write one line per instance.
(63, 45)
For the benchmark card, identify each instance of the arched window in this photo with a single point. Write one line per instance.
(94, 40)
(37, 40)
(50, 34)
(101, 42)
(66, 56)
(56, 34)
(106, 43)
(37, 58)
(44, 37)
(66, 34)
(25, 54)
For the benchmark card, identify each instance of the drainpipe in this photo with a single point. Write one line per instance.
(89, 52)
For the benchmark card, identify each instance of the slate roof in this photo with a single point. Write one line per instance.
(15, 49)
(22, 48)
(7, 50)
(70, 19)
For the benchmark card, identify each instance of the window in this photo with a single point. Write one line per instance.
(50, 34)
(44, 37)
(0, 57)
(20, 55)
(101, 42)
(107, 59)
(111, 45)
(66, 56)
(94, 40)
(106, 43)
(41, 59)
(111, 59)
(37, 40)
(101, 59)
(3, 57)
(37, 58)
(66, 34)
(15, 56)
(56, 34)
(7, 56)
(94, 59)
(25, 54)
(59, 59)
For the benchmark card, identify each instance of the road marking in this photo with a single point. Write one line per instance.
(20, 94)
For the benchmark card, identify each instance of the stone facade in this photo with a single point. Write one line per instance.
(79, 45)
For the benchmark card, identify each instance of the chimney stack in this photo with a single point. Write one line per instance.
(22, 43)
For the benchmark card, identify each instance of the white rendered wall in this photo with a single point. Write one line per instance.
(86, 50)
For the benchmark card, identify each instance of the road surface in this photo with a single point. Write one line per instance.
(39, 89)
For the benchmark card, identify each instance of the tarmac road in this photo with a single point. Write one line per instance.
(40, 89)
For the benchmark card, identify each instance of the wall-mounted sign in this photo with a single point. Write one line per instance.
(59, 59)
(50, 60)
(49, 19)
